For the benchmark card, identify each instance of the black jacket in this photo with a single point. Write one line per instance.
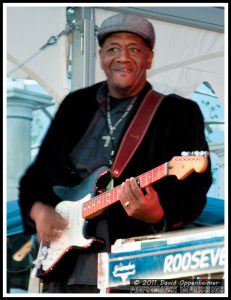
(177, 126)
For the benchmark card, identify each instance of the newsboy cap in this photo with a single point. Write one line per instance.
(127, 23)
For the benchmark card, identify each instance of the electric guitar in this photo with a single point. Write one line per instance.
(52, 260)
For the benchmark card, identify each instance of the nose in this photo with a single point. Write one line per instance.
(124, 54)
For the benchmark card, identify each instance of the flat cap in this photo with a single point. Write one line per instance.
(127, 23)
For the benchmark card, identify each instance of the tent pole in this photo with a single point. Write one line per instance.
(83, 49)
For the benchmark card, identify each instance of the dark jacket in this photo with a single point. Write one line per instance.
(178, 126)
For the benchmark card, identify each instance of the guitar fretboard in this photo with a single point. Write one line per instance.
(101, 201)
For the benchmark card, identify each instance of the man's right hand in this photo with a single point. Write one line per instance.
(49, 223)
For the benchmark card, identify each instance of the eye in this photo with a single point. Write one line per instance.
(113, 49)
(134, 50)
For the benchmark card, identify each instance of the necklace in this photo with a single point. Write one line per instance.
(109, 138)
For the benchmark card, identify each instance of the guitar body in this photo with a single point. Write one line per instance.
(80, 205)
(61, 254)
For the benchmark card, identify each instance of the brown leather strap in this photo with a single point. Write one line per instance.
(136, 131)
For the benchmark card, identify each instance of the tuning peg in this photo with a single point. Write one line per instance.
(185, 153)
(197, 153)
(204, 153)
(200, 153)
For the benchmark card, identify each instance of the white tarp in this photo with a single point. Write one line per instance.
(184, 57)
(28, 29)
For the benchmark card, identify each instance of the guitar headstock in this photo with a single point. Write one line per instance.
(182, 166)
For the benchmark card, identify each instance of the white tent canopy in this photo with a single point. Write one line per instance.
(184, 56)
(28, 30)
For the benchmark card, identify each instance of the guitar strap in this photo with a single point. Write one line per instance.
(136, 131)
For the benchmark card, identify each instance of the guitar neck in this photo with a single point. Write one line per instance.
(95, 205)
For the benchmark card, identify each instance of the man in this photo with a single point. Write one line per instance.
(85, 135)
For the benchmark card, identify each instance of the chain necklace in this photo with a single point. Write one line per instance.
(109, 138)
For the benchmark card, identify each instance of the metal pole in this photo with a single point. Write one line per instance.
(83, 49)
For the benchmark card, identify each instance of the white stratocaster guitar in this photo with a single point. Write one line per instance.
(53, 260)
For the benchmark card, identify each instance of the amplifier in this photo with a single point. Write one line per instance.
(176, 254)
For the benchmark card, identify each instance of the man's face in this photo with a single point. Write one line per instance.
(125, 58)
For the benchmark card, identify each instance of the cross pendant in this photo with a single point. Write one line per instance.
(107, 139)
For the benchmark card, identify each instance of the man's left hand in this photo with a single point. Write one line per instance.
(145, 207)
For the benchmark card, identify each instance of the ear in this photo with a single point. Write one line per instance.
(150, 57)
(100, 57)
